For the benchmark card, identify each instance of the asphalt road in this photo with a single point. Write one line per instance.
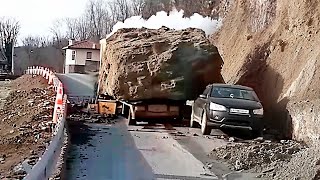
(143, 152)
(78, 84)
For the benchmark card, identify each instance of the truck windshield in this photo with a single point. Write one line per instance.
(235, 93)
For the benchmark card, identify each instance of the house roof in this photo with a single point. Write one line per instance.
(83, 45)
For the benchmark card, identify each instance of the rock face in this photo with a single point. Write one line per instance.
(306, 120)
(274, 49)
(152, 64)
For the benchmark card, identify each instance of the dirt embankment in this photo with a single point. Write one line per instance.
(272, 46)
(25, 124)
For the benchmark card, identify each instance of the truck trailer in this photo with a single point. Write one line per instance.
(151, 73)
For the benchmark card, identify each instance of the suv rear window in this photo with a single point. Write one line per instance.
(235, 93)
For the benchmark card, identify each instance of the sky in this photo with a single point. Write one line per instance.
(36, 16)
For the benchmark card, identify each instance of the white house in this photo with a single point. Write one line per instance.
(82, 57)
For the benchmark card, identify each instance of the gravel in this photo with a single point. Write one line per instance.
(256, 156)
(303, 165)
(25, 124)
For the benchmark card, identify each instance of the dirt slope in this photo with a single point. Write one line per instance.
(25, 123)
(272, 46)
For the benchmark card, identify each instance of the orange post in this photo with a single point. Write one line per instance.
(58, 104)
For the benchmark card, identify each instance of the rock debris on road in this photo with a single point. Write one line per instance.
(113, 152)
(156, 151)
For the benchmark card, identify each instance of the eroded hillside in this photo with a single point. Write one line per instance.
(273, 46)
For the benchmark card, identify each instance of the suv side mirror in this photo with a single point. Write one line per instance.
(203, 96)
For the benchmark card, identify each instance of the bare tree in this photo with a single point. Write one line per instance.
(114, 17)
(98, 16)
(137, 6)
(82, 28)
(9, 30)
(35, 41)
(57, 31)
(71, 24)
(124, 11)
(32, 46)
(59, 39)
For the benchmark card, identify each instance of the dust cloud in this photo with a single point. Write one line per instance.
(173, 20)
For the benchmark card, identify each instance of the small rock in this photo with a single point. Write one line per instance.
(209, 165)
(227, 156)
(12, 131)
(260, 175)
(46, 103)
(231, 139)
(283, 141)
(30, 101)
(195, 134)
(259, 139)
(268, 170)
(238, 166)
(18, 170)
(267, 141)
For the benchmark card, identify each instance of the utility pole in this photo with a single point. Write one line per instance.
(12, 59)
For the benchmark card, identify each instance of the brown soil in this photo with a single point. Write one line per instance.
(272, 46)
(25, 122)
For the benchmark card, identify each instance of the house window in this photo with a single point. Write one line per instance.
(89, 55)
(73, 55)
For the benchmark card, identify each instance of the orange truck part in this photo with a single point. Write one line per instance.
(107, 107)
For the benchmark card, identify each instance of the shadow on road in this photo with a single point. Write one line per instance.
(171, 124)
(99, 151)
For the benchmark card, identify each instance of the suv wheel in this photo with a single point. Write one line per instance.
(204, 127)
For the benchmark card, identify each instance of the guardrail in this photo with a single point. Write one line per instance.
(45, 167)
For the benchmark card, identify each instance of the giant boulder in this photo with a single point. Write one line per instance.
(142, 64)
